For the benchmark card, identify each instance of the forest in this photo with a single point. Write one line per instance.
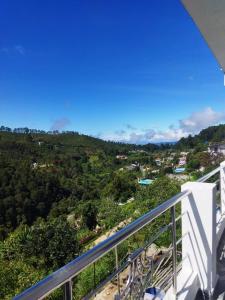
(59, 191)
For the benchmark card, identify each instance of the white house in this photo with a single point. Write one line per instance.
(158, 162)
(217, 148)
(122, 157)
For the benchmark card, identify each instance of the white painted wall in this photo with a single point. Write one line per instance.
(199, 232)
(198, 241)
(222, 187)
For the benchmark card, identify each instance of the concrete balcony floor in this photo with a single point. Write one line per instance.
(220, 287)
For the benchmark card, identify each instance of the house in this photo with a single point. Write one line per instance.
(173, 154)
(132, 167)
(138, 151)
(170, 158)
(158, 162)
(179, 177)
(217, 148)
(182, 161)
(184, 153)
(202, 169)
(35, 165)
(155, 171)
(122, 157)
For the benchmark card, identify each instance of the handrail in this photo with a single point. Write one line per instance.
(69, 271)
(207, 176)
(64, 274)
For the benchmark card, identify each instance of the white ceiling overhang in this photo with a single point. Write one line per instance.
(209, 16)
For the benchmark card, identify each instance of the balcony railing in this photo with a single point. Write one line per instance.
(194, 250)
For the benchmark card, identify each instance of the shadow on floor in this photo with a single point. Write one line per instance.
(219, 292)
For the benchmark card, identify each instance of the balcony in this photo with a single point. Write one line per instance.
(191, 266)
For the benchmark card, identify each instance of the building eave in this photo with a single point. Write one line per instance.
(209, 16)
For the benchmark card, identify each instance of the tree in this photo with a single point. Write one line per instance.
(150, 197)
(45, 245)
(109, 213)
(16, 276)
(204, 159)
(121, 187)
(88, 211)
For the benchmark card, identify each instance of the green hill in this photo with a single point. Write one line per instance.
(29, 143)
(209, 135)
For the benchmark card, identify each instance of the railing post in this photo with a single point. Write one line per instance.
(68, 291)
(174, 244)
(117, 267)
(94, 275)
(199, 234)
(222, 188)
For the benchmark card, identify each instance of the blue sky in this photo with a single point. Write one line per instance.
(136, 71)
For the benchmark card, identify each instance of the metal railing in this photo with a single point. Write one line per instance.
(136, 261)
(209, 175)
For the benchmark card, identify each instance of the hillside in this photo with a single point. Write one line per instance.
(209, 135)
(41, 171)
(69, 142)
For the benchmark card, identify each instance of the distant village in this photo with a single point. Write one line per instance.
(173, 164)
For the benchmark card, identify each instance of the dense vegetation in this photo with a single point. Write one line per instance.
(58, 192)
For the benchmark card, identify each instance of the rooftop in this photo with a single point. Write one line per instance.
(145, 181)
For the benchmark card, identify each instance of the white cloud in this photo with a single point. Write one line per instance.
(201, 119)
(191, 125)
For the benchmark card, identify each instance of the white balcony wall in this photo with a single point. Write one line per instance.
(199, 241)
(199, 233)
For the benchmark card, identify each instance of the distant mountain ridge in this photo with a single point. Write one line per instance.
(69, 139)
(209, 135)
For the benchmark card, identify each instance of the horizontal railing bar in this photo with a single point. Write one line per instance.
(217, 181)
(105, 281)
(148, 244)
(207, 176)
(56, 279)
(163, 281)
(179, 241)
